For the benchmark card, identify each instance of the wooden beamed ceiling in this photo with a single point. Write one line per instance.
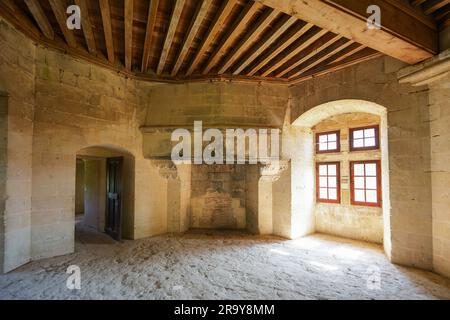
(272, 40)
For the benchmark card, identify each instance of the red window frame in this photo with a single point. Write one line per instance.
(338, 141)
(378, 182)
(377, 138)
(338, 182)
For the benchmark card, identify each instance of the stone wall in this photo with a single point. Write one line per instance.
(57, 105)
(440, 172)
(17, 82)
(78, 105)
(409, 146)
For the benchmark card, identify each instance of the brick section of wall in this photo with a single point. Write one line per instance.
(409, 146)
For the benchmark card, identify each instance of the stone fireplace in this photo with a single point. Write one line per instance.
(218, 197)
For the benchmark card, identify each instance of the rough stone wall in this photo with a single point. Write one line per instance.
(440, 172)
(77, 106)
(217, 103)
(346, 220)
(17, 75)
(409, 146)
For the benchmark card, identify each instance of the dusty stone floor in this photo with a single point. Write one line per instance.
(221, 266)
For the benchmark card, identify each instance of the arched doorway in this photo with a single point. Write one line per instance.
(104, 191)
(305, 161)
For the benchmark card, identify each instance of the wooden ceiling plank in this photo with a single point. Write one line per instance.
(417, 2)
(248, 40)
(234, 32)
(151, 21)
(175, 19)
(327, 53)
(12, 13)
(193, 30)
(59, 8)
(356, 47)
(129, 12)
(405, 38)
(325, 68)
(105, 11)
(286, 42)
(41, 19)
(265, 43)
(221, 16)
(311, 51)
(86, 26)
(281, 59)
(415, 12)
(434, 5)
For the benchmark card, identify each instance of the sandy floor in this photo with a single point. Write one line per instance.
(221, 266)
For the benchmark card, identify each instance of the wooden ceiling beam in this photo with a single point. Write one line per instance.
(317, 58)
(200, 15)
(87, 26)
(285, 42)
(59, 8)
(304, 42)
(129, 13)
(175, 19)
(234, 32)
(433, 5)
(216, 27)
(107, 29)
(401, 36)
(326, 67)
(151, 21)
(265, 43)
(417, 2)
(312, 51)
(351, 50)
(248, 40)
(12, 13)
(41, 19)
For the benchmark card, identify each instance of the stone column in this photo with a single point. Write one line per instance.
(178, 194)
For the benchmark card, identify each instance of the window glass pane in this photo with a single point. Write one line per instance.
(358, 143)
(369, 142)
(332, 146)
(323, 146)
(358, 170)
(332, 182)
(323, 138)
(371, 196)
(369, 133)
(358, 134)
(332, 194)
(332, 137)
(323, 182)
(371, 183)
(322, 170)
(359, 196)
(332, 170)
(359, 182)
(323, 193)
(371, 169)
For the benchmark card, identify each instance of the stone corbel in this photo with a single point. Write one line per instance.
(167, 169)
(271, 171)
(426, 72)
